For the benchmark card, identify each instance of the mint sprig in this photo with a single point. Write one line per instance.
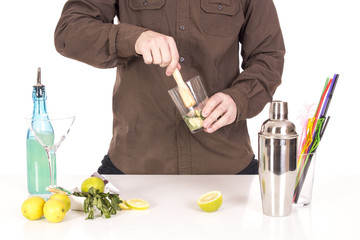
(106, 203)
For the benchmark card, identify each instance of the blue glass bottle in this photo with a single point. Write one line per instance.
(38, 171)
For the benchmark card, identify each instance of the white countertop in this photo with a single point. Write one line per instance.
(174, 214)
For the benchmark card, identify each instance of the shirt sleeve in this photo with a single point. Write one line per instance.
(85, 32)
(262, 50)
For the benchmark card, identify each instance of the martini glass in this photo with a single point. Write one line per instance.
(50, 130)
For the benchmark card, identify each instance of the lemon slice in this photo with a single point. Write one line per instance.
(137, 204)
(211, 201)
(123, 205)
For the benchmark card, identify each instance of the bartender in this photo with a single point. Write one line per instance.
(199, 37)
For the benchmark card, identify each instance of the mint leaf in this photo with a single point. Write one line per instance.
(106, 203)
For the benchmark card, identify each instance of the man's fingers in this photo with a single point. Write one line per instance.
(165, 56)
(222, 121)
(156, 56)
(211, 104)
(219, 111)
(158, 49)
(174, 63)
(147, 56)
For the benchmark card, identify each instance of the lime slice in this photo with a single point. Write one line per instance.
(197, 112)
(137, 204)
(211, 201)
(195, 122)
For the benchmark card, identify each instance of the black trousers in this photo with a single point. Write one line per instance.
(107, 167)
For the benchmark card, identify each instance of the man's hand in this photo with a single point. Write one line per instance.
(219, 111)
(159, 49)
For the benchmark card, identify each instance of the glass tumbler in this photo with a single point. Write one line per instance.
(192, 115)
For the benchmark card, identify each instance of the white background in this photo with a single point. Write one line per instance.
(321, 38)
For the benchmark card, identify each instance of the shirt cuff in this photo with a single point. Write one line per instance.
(125, 39)
(240, 100)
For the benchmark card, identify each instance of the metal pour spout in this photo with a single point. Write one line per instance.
(38, 87)
(38, 81)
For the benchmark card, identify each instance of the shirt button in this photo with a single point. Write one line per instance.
(182, 27)
(182, 59)
(145, 3)
(220, 7)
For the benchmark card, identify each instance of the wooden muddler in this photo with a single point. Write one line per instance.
(184, 90)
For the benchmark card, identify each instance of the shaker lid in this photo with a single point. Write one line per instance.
(278, 110)
(277, 125)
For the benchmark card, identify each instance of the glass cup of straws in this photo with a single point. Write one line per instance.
(304, 179)
(191, 115)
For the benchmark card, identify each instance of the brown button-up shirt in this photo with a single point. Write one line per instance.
(149, 135)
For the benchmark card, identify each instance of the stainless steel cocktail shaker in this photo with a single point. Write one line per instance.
(277, 161)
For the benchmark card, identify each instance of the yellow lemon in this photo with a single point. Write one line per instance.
(63, 197)
(137, 204)
(211, 201)
(94, 182)
(54, 210)
(32, 208)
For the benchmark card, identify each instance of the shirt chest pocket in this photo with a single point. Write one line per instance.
(148, 13)
(221, 17)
